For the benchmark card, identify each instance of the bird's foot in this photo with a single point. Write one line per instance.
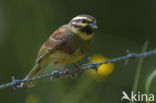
(59, 66)
(68, 73)
(77, 69)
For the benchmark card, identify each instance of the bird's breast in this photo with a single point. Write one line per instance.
(66, 58)
(71, 51)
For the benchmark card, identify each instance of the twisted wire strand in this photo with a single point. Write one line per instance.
(15, 83)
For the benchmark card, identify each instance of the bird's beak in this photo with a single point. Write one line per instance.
(93, 25)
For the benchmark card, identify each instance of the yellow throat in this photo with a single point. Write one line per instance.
(82, 35)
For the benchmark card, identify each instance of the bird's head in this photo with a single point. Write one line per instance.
(83, 26)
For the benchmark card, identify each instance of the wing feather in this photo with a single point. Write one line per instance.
(54, 41)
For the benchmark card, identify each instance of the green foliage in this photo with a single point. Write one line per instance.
(138, 71)
(149, 82)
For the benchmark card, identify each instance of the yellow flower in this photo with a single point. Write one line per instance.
(103, 70)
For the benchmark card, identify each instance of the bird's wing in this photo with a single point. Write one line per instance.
(54, 41)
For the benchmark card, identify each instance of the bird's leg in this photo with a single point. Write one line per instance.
(77, 68)
(59, 66)
(68, 71)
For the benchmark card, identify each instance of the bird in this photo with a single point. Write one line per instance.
(67, 45)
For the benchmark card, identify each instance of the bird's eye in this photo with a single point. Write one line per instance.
(83, 21)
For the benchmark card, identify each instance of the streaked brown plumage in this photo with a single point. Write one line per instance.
(66, 45)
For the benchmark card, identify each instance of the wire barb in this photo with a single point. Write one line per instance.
(130, 56)
(15, 83)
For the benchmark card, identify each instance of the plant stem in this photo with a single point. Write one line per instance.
(138, 71)
(149, 82)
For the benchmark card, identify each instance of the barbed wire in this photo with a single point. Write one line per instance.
(15, 83)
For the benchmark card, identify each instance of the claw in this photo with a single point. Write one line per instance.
(77, 69)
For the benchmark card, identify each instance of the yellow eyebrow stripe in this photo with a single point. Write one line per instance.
(88, 19)
(82, 24)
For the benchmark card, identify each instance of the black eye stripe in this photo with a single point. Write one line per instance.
(82, 20)
(85, 29)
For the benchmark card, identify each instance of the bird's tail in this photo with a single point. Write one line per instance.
(37, 70)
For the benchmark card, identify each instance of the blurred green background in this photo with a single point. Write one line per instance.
(123, 24)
